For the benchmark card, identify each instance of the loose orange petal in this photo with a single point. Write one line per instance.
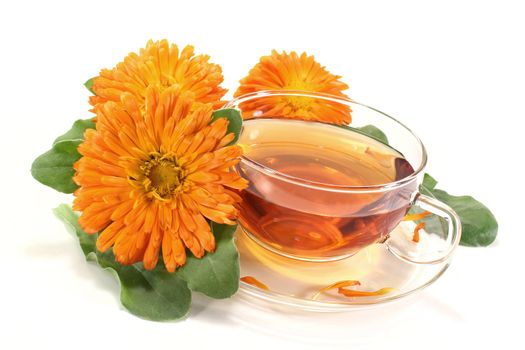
(358, 293)
(339, 284)
(418, 227)
(254, 282)
(418, 216)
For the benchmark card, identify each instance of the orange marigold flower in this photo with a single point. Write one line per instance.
(293, 72)
(150, 177)
(163, 65)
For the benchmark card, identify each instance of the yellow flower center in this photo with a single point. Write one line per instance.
(301, 84)
(163, 176)
(299, 102)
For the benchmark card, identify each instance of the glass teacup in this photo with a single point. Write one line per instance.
(322, 192)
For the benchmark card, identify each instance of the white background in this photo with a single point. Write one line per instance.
(452, 71)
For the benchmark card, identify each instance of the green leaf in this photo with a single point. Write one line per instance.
(55, 167)
(368, 130)
(216, 274)
(87, 242)
(374, 132)
(77, 130)
(89, 85)
(479, 226)
(429, 182)
(234, 118)
(154, 295)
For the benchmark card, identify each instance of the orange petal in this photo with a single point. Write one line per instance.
(215, 215)
(173, 251)
(189, 240)
(107, 238)
(339, 284)
(415, 237)
(254, 282)
(151, 255)
(129, 246)
(204, 177)
(415, 217)
(358, 293)
(203, 233)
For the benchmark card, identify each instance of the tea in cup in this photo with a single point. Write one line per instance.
(321, 192)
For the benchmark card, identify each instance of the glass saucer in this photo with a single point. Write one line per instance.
(294, 283)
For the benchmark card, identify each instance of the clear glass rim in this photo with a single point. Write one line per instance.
(316, 185)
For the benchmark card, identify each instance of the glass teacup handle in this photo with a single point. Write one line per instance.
(432, 248)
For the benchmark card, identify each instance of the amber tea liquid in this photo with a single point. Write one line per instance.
(306, 212)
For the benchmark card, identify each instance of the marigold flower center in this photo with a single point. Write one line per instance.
(298, 102)
(163, 175)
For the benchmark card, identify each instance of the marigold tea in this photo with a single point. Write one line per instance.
(300, 201)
